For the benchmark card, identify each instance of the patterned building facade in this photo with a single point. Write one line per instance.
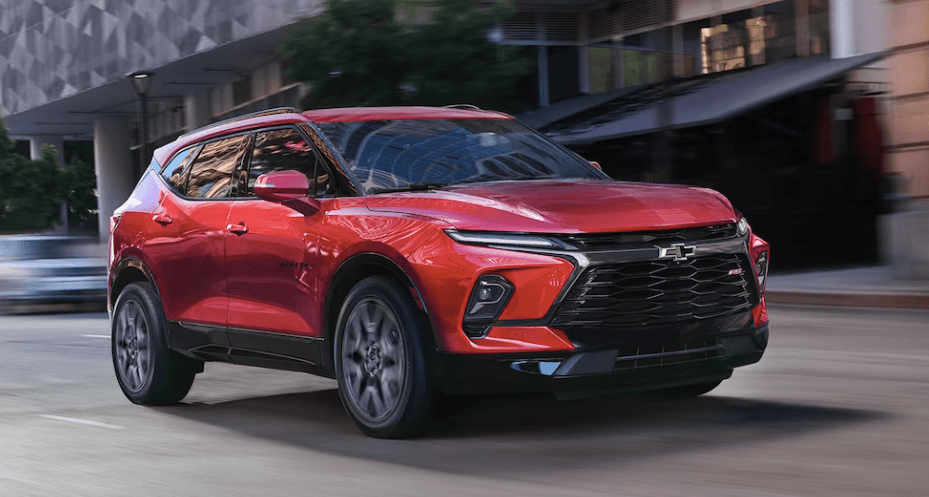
(53, 49)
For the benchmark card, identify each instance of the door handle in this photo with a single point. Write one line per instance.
(238, 229)
(162, 219)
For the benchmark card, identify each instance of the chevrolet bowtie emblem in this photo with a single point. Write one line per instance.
(677, 251)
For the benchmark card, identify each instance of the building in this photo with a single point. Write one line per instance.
(63, 67)
(779, 104)
(724, 93)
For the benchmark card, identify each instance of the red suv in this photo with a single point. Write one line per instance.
(412, 251)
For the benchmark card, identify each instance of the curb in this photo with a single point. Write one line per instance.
(885, 301)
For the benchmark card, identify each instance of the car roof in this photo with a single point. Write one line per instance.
(290, 116)
(354, 114)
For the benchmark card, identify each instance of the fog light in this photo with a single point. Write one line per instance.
(488, 299)
(761, 269)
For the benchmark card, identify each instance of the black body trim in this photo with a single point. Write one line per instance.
(248, 347)
(594, 372)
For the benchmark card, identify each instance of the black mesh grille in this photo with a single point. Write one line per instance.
(637, 357)
(657, 293)
(607, 241)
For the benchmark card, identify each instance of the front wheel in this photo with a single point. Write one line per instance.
(380, 359)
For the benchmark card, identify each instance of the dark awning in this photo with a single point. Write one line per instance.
(709, 101)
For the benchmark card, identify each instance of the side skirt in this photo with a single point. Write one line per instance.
(248, 347)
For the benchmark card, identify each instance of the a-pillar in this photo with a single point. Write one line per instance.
(35, 152)
(113, 165)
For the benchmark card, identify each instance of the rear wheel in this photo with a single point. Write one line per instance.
(147, 370)
(380, 359)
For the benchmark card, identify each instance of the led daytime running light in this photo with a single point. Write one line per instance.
(517, 240)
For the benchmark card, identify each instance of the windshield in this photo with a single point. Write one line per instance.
(416, 154)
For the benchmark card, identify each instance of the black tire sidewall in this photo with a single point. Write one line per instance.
(414, 405)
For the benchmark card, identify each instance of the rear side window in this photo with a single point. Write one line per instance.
(211, 173)
(173, 173)
(286, 150)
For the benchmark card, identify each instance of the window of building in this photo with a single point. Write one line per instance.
(600, 64)
(211, 173)
(285, 150)
(819, 26)
(174, 172)
(745, 39)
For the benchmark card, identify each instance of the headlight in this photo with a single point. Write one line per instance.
(742, 226)
(761, 269)
(490, 295)
(506, 239)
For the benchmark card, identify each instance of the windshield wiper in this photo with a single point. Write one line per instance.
(412, 187)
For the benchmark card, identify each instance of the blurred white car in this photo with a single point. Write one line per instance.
(41, 270)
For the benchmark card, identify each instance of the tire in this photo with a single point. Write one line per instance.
(380, 359)
(682, 392)
(148, 371)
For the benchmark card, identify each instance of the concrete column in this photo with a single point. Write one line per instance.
(619, 69)
(802, 26)
(677, 46)
(542, 64)
(197, 110)
(582, 57)
(842, 28)
(35, 153)
(113, 164)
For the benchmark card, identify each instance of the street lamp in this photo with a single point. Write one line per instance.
(142, 84)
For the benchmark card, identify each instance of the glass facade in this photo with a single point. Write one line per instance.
(733, 40)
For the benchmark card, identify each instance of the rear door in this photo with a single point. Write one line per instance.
(185, 242)
(271, 260)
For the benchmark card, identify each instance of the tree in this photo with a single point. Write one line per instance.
(80, 185)
(357, 53)
(31, 192)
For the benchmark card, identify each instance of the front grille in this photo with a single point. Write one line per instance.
(613, 241)
(638, 357)
(657, 293)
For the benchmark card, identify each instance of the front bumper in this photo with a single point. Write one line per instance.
(600, 370)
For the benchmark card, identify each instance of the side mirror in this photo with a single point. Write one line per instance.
(288, 188)
(596, 165)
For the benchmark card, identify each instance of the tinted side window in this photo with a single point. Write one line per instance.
(286, 150)
(173, 173)
(211, 174)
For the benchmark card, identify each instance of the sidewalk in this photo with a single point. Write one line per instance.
(857, 287)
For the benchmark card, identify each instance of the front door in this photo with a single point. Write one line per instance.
(270, 256)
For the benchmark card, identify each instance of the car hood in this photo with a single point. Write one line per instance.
(563, 206)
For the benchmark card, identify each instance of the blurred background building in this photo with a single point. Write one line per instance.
(808, 114)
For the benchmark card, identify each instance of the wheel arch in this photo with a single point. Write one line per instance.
(349, 274)
(128, 271)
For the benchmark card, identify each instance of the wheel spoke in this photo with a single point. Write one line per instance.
(356, 381)
(378, 406)
(388, 389)
(137, 371)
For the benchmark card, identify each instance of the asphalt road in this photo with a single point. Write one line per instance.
(838, 406)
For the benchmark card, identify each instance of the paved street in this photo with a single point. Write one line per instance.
(838, 406)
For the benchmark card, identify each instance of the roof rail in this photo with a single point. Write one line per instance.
(462, 106)
(261, 113)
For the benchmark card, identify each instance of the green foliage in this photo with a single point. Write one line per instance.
(31, 192)
(80, 183)
(357, 53)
